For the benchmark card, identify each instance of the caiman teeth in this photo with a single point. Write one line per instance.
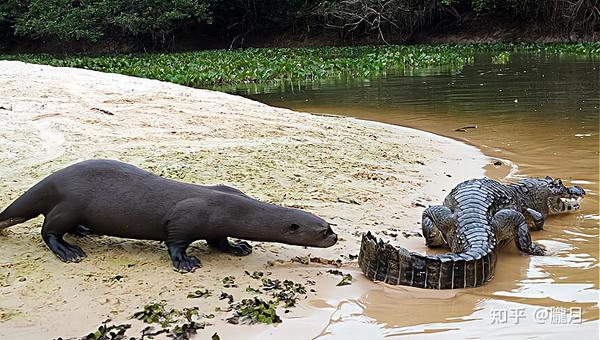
(570, 200)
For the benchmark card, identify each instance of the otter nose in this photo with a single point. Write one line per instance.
(329, 231)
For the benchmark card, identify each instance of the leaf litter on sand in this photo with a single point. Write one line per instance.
(346, 278)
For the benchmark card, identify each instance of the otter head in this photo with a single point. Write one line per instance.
(550, 196)
(250, 219)
(302, 228)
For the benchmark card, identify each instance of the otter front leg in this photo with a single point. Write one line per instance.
(436, 221)
(240, 248)
(183, 223)
(511, 223)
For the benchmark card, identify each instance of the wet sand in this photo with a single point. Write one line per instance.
(359, 175)
(540, 113)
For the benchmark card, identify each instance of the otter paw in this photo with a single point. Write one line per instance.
(186, 264)
(240, 248)
(68, 253)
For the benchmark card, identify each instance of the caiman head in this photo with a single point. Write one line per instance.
(550, 196)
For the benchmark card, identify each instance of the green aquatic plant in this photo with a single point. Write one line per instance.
(255, 310)
(229, 282)
(108, 332)
(346, 278)
(253, 290)
(285, 291)
(207, 69)
(256, 274)
(175, 323)
(156, 313)
(199, 293)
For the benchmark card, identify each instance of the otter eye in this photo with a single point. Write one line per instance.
(294, 227)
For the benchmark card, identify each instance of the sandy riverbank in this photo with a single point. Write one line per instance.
(359, 175)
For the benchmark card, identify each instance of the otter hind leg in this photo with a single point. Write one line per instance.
(239, 248)
(57, 222)
(182, 262)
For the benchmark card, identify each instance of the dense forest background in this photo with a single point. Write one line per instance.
(166, 25)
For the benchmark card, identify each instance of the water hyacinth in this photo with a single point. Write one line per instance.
(206, 69)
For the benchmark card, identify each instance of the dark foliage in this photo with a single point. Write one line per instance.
(155, 24)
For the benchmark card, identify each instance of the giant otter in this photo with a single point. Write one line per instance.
(117, 199)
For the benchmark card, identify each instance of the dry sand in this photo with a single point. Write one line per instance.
(359, 175)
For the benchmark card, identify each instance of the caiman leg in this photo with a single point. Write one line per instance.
(511, 223)
(437, 220)
(538, 219)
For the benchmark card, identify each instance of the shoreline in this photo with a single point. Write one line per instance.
(52, 117)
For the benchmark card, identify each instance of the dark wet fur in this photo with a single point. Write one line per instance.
(117, 199)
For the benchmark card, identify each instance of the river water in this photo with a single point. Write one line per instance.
(538, 112)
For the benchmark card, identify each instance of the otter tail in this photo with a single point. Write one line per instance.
(383, 262)
(24, 208)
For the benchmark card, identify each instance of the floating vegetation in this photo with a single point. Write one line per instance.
(346, 278)
(210, 68)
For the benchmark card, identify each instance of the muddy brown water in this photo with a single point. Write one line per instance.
(539, 115)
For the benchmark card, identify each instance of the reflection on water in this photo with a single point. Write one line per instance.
(539, 111)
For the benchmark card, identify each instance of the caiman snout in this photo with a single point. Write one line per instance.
(577, 191)
(572, 202)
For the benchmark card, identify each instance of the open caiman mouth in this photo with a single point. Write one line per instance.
(570, 204)
(572, 200)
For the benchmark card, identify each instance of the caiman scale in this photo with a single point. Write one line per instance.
(478, 217)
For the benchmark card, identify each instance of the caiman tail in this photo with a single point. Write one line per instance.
(397, 266)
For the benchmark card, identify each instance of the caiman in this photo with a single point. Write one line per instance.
(478, 217)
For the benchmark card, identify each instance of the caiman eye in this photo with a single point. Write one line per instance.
(294, 227)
